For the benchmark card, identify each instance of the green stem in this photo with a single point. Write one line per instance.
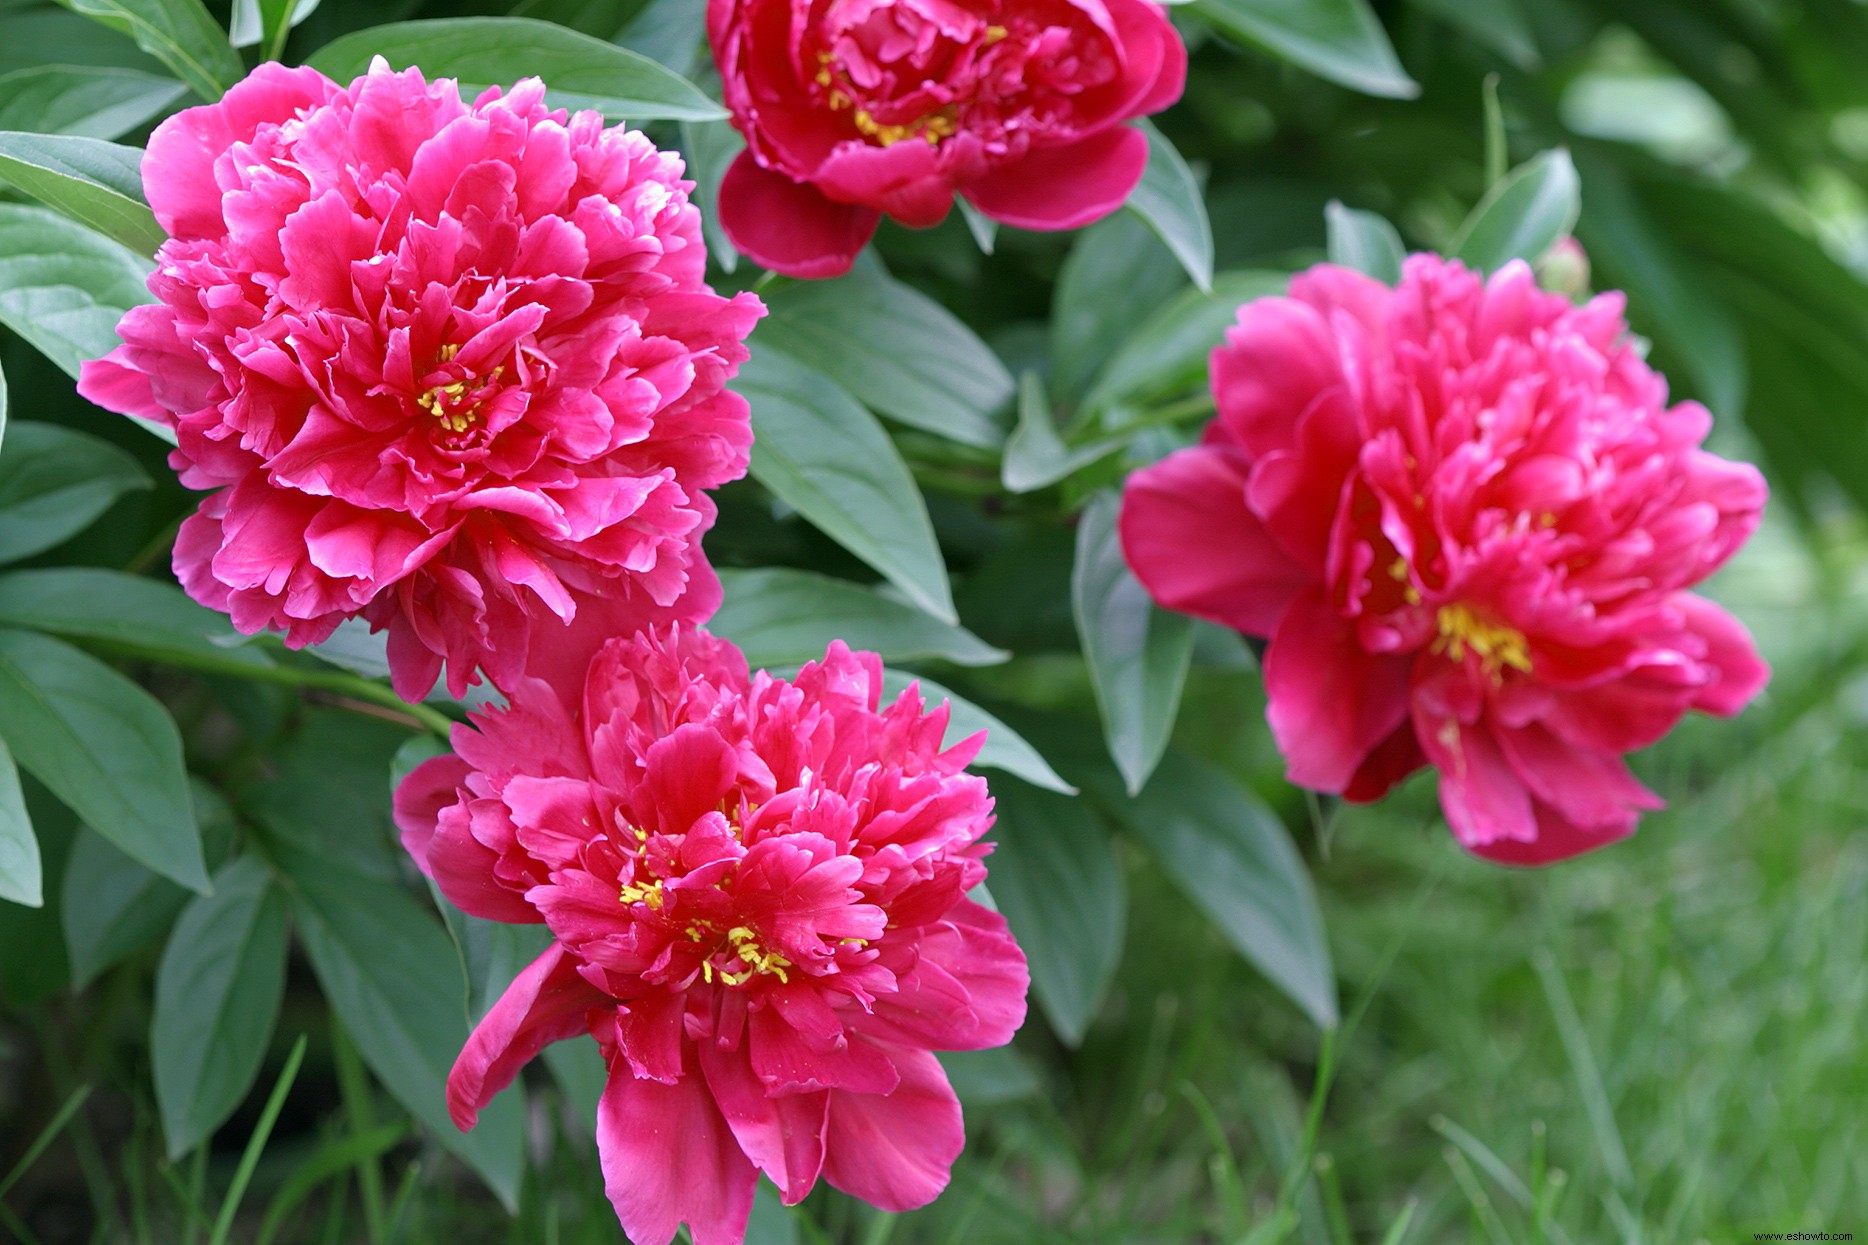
(354, 1088)
(1300, 1169)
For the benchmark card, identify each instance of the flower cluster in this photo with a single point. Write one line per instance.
(851, 111)
(1466, 518)
(451, 366)
(757, 894)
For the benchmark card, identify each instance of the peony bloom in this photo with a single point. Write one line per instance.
(757, 891)
(450, 366)
(854, 108)
(1465, 516)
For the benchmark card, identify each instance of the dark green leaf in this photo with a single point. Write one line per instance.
(1232, 855)
(1138, 654)
(179, 33)
(987, 1078)
(84, 102)
(1365, 242)
(1341, 40)
(113, 906)
(1056, 878)
(577, 1067)
(1005, 748)
(404, 1009)
(710, 146)
(784, 618)
(496, 51)
(217, 998)
(1036, 456)
(1524, 215)
(821, 453)
(326, 795)
(671, 32)
(1500, 25)
(21, 874)
(1116, 274)
(54, 483)
(94, 182)
(105, 747)
(132, 614)
(1167, 354)
(895, 349)
(1168, 199)
(772, 1222)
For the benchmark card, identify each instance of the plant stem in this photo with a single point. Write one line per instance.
(354, 1087)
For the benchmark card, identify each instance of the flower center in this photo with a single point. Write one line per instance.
(456, 404)
(1497, 647)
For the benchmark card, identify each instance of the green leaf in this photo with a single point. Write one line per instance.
(132, 614)
(1341, 40)
(896, 350)
(496, 51)
(179, 33)
(113, 906)
(1116, 274)
(771, 1222)
(985, 229)
(217, 998)
(1138, 654)
(1169, 201)
(1232, 855)
(1005, 748)
(784, 618)
(83, 101)
(93, 182)
(821, 453)
(1500, 25)
(54, 483)
(1524, 215)
(21, 874)
(63, 287)
(1036, 456)
(1167, 354)
(404, 1009)
(1365, 242)
(105, 747)
(1055, 876)
(710, 146)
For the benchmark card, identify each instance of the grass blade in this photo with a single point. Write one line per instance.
(45, 1138)
(256, 1144)
(1588, 1076)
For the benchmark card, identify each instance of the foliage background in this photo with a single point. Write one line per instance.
(1657, 1044)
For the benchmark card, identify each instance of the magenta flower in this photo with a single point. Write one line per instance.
(757, 891)
(856, 109)
(1465, 516)
(450, 366)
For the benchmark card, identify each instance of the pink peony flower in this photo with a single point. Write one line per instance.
(450, 366)
(1465, 516)
(757, 891)
(854, 108)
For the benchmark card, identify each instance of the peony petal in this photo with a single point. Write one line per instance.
(1064, 187)
(669, 1158)
(790, 227)
(1739, 674)
(783, 1134)
(896, 1151)
(1192, 541)
(545, 1003)
(1332, 703)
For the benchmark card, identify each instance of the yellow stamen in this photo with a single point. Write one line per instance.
(993, 35)
(1497, 647)
(650, 894)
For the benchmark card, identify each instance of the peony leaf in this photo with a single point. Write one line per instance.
(1005, 748)
(404, 1010)
(87, 179)
(1138, 654)
(1169, 201)
(63, 287)
(821, 453)
(784, 618)
(105, 747)
(1523, 215)
(218, 992)
(497, 51)
(1233, 857)
(1500, 25)
(1341, 40)
(82, 101)
(1116, 274)
(1036, 456)
(1365, 242)
(1056, 878)
(54, 482)
(179, 33)
(112, 906)
(130, 614)
(21, 872)
(896, 350)
(709, 147)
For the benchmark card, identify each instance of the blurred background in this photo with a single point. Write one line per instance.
(1659, 1043)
